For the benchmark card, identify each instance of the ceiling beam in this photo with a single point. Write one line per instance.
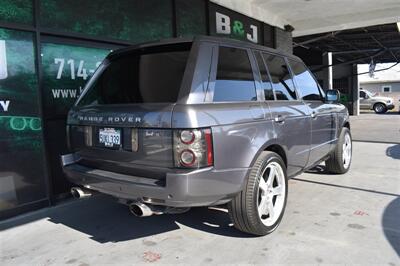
(329, 35)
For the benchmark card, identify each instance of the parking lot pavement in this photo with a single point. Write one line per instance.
(352, 219)
(376, 127)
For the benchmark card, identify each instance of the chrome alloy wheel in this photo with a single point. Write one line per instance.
(347, 151)
(379, 108)
(271, 193)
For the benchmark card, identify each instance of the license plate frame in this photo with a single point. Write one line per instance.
(110, 137)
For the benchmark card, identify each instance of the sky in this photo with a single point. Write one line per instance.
(392, 74)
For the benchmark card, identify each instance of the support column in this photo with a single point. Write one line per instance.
(354, 91)
(327, 75)
(283, 40)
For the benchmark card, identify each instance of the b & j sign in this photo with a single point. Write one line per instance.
(225, 22)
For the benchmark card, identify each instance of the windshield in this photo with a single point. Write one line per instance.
(151, 75)
(370, 94)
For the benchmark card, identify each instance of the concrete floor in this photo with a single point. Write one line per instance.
(376, 127)
(349, 219)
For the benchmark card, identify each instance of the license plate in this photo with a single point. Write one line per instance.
(110, 137)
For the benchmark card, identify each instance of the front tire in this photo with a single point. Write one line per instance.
(340, 160)
(380, 108)
(259, 208)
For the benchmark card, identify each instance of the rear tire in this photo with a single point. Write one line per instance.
(380, 108)
(259, 208)
(340, 160)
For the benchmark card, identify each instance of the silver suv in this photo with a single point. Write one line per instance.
(379, 104)
(200, 122)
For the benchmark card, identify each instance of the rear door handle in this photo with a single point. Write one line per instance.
(279, 119)
(313, 114)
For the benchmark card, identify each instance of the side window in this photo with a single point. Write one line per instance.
(307, 85)
(235, 81)
(282, 82)
(266, 83)
(362, 94)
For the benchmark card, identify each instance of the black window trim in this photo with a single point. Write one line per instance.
(259, 52)
(321, 90)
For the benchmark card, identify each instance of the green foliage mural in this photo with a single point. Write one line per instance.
(18, 81)
(19, 11)
(20, 123)
(191, 17)
(66, 69)
(131, 20)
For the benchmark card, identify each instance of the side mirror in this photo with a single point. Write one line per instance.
(332, 96)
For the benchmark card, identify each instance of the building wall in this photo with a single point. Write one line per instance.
(377, 88)
(48, 51)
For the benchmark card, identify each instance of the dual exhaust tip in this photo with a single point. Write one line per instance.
(138, 209)
(80, 193)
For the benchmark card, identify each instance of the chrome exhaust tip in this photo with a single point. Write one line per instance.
(80, 193)
(140, 209)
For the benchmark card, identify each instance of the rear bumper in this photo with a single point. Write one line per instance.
(202, 187)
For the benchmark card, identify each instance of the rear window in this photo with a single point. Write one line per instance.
(151, 75)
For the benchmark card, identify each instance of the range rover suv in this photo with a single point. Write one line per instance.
(199, 122)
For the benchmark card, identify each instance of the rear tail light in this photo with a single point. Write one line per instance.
(187, 158)
(193, 148)
(87, 131)
(187, 136)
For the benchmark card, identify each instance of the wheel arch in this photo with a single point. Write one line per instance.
(274, 147)
(346, 124)
(380, 102)
(278, 150)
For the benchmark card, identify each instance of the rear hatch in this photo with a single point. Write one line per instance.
(122, 121)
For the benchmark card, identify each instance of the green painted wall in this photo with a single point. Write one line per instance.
(191, 18)
(18, 11)
(131, 20)
(21, 153)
